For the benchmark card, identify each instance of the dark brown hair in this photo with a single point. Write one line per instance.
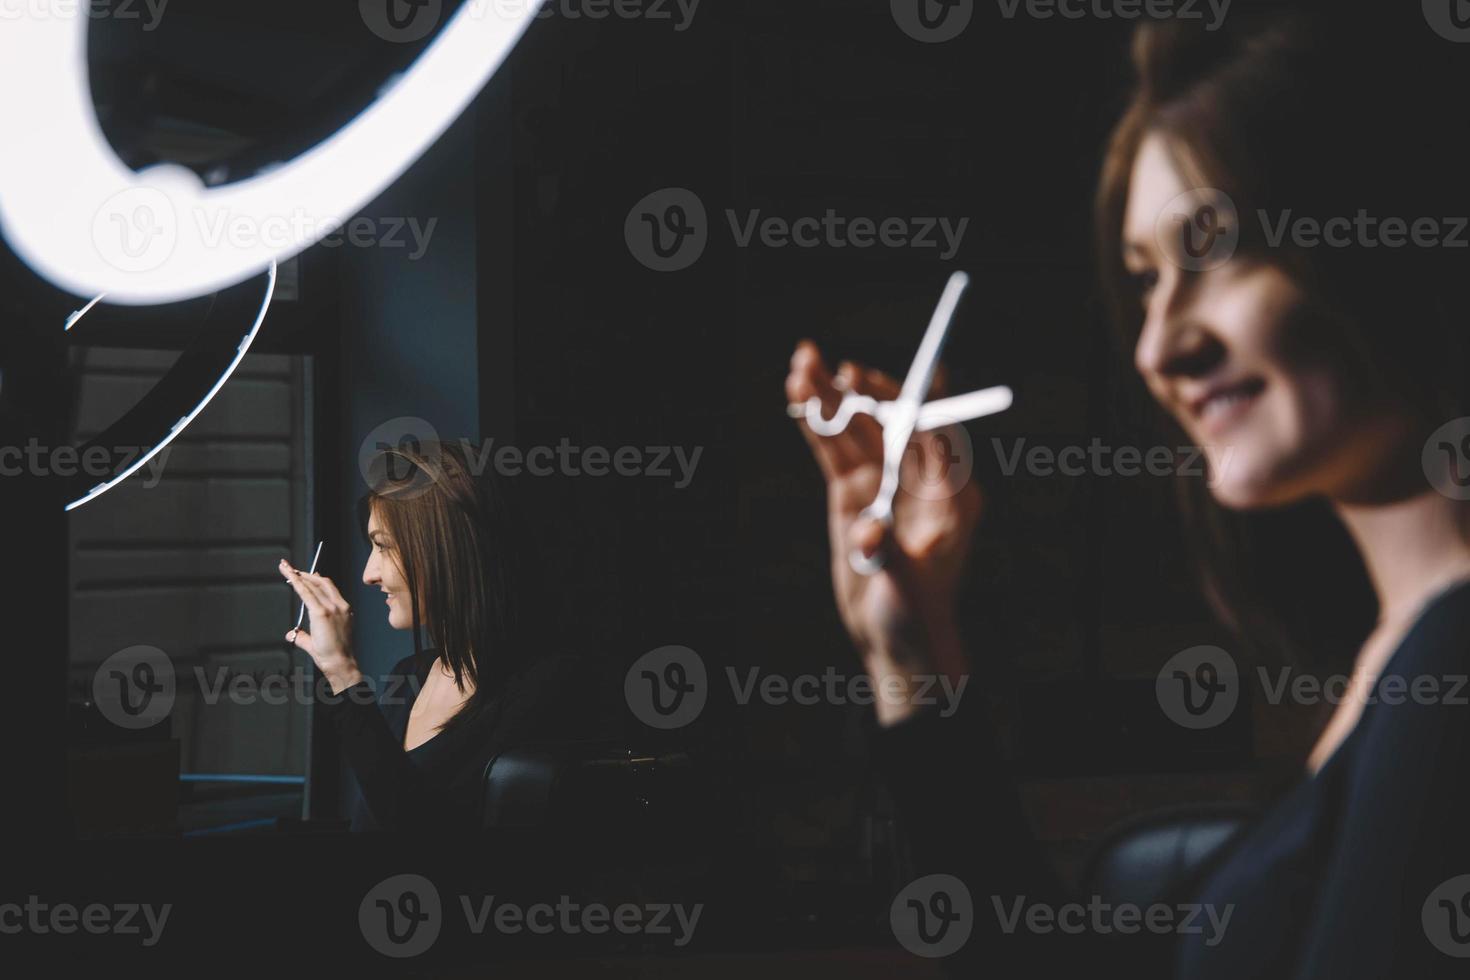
(1321, 112)
(455, 542)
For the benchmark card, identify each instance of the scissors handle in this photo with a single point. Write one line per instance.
(870, 564)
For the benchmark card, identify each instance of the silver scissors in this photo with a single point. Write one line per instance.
(908, 413)
(301, 616)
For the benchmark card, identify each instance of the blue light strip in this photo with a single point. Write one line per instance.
(223, 777)
(231, 827)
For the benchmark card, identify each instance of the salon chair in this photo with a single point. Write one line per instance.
(1158, 857)
(597, 785)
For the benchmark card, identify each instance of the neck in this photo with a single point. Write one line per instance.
(1413, 548)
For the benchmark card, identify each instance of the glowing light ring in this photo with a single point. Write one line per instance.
(65, 195)
(183, 422)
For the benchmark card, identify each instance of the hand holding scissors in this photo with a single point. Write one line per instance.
(907, 414)
(899, 609)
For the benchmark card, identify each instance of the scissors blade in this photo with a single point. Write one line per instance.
(898, 428)
(905, 411)
(302, 614)
(964, 408)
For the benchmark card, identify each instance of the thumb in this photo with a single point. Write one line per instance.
(300, 638)
(873, 537)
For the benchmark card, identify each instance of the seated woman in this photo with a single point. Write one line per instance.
(1322, 367)
(443, 555)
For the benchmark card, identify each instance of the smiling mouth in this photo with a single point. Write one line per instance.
(1224, 405)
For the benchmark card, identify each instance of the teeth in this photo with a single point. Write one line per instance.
(1221, 402)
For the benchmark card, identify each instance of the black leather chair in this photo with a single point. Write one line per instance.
(1159, 856)
(610, 788)
(578, 784)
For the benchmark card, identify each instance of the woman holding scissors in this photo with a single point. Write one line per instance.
(443, 554)
(1330, 377)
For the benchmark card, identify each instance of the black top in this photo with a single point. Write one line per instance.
(1339, 880)
(439, 783)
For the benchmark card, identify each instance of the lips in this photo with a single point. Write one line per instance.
(1222, 404)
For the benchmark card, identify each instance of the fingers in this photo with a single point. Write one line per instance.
(327, 589)
(301, 639)
(871, 381)
(872, 537)
(304, 589)
(809, 378)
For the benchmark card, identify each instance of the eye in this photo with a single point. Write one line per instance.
(1142, 283)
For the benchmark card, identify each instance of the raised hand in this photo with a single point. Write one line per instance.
(902, 617)
(329, 643)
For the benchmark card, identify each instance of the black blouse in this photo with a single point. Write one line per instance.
(438, 784)
(1349, 876)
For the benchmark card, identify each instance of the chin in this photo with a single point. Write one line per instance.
(1240, 479)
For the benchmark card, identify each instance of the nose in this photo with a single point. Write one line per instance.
(1176, 339)
(370, 574)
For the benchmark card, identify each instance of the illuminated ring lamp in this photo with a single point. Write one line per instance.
(181, 394)
(77, 215)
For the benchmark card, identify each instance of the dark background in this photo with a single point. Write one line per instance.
(1079, 586)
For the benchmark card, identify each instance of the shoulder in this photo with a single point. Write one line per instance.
(1437, 646)
(1417, 717)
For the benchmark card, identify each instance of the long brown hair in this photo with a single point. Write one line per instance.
(457, 547)
(1321, 112)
